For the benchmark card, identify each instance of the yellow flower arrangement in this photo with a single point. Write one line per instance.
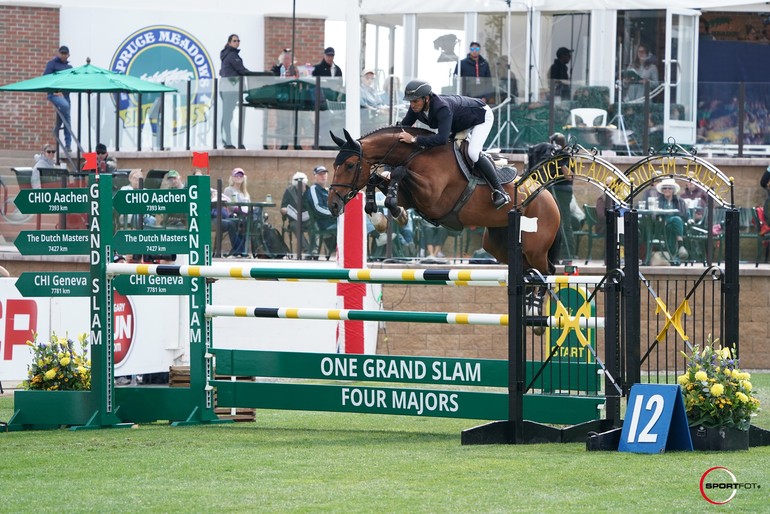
(59, 366)
(716, 392)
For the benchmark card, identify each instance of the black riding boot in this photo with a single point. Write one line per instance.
(487, 168)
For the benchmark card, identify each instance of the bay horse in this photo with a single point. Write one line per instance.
(433, 184)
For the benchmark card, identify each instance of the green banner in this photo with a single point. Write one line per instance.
(53, 283)
(151, 285)
(365, 368)
(53, 242)
(52, 201)
(151, 241)
(373, 400)
(151, 201)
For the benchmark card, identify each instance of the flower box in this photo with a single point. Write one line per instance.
(719, 439)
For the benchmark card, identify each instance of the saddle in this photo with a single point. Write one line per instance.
(505, 173)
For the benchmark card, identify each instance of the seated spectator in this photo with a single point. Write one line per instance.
(173, 180)
(134, 179)
(45, 159)
(673, 223)
(104, 162)
(237, 191)
(293, 202)
(316, 198)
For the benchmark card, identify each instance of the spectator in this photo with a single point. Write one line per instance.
(764, 183)
(643, 70)
(293, 202)
(59, 99)
(172, 180)
(673, 223)
(476, 74)
(237, 191)
(704, 30)
(370, 97)
(45, 159)
(693, 196)
(105, 162)
(284, 119)
(317, 197)
(231, 72)
(285, 66)
(558, 74)
(327, 68)
(603, 204)
(432, 240)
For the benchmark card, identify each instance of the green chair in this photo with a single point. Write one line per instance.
(321, 237)
(592, 223)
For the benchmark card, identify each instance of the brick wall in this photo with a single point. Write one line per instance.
(308, 39)
(29, 38)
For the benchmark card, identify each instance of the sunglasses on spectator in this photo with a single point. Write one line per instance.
(475, 48)
(50, 151)
(666, 188)
(236, 41)
(101, 153)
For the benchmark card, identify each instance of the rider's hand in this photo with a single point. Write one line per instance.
(406, 137)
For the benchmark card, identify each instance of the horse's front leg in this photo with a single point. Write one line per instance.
(370, 205)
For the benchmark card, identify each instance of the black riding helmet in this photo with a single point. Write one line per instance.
(416, 89)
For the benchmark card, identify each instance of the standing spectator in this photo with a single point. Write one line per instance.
(104, 162)
(46, 159)
(284, 119)
(327, 68)
(317, 197)
(59, 99)
(558, 74)
(231, 71)
(285, 65)
(643, 69)
(473, 70)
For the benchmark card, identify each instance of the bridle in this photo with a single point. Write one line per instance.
(359, 152)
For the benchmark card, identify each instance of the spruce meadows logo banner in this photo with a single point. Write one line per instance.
(172, 56)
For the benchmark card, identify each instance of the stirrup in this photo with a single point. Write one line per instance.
(500, 198)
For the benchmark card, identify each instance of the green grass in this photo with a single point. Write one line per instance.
(309, 462)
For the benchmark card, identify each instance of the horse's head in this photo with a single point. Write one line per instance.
(351, 173)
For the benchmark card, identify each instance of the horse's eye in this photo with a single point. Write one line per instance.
(351, 166)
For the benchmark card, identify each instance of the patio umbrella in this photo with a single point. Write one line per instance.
(87, 79)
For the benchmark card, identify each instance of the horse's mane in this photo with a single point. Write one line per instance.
(389, 129)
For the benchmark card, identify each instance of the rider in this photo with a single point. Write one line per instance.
(453, 114)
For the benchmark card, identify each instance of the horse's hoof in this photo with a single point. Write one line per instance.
(391, 203)
(538, 331)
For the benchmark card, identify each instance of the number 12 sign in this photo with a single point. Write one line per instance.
(655, 420)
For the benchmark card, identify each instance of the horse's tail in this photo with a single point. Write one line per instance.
(553, 252)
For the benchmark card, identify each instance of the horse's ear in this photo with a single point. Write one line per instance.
(337, 140)
(348, 137)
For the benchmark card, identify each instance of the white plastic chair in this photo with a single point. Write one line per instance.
(588, 117)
